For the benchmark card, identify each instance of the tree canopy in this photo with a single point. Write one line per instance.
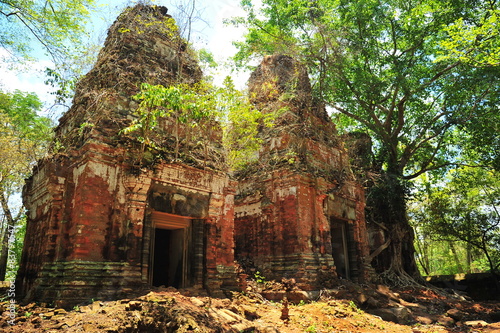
(477, 42)
(24, 138)
(387, 68)
(53, 24)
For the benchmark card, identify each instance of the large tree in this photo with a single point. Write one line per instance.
(24, 138)
(375, 64)
(53, 24)
(32, 30)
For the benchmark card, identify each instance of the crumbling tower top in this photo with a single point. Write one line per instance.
(143, 46)
(280, 80)
(304, 138)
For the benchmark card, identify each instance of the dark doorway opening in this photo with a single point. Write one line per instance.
(169, 250)
(340, 247)
(168, 262)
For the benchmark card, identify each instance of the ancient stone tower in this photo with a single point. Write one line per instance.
(106, 217)
(300, 213)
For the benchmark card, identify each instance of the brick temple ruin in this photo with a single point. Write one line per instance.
(300, 214)
(101, 225)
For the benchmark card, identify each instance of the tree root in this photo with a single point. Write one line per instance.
(404, 280)
(399, 279)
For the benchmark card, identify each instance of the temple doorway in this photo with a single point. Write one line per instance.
(340, 247)
(170, 244)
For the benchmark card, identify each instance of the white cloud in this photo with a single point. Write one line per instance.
(27, 77)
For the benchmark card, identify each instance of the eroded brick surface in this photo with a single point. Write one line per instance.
(106, 218)
(287, 209)
(91, 205)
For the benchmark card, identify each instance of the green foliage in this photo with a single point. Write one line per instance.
(354, 307)
(155, 102)
(16, 247)
(312, 329)
(478, 135)
(67, 71)
(259, 278)
(438, 256)
(241, 123)
(57, 28)
(53, 24)
(474, 42)
(24, 138)
(464, 209)
(65, 87)
(207, 58)
(204, 107)
(84, 126)
(165, 26)
(180, 103)
(208, 64)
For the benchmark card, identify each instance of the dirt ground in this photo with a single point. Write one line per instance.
(349, 308)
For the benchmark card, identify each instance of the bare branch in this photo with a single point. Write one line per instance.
(355, 117)
(9, 14)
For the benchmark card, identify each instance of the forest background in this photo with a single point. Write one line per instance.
(421, 78)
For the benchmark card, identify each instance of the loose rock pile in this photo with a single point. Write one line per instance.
(336, 310)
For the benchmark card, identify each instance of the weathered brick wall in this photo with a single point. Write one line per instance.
(88, 237)
(284, 211)
(90, 233)
(97, 208)
(44, 195)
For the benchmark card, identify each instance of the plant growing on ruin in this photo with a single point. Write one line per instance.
(259, 278)
(200, 108)
(158, 102)
(240, 121)
(165, 26)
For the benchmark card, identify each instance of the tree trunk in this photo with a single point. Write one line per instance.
(455, 256)
(401, 254)
(469, 258)
(386, 200)
(5, 237)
